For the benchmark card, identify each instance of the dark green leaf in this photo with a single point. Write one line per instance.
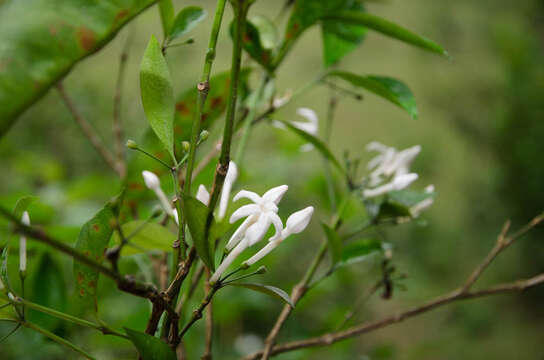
(335, 244)
(158, 94)
(319, 145)
(390, 209)
(145, 237)
(48, 289)
(390, 89)
(166, 10)
(359, 251)
(196, 214)
(340, 38)
(4, 268)
(186, 20)
(42, 40)
(150, 347)
(268, 290)
(92, 242)
(385, 27)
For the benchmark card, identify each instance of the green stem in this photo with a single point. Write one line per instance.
(154, 158)
(240, 11)
(327, 168)
(203, 88)
(179, 246)
(102, 328)
(58, 339)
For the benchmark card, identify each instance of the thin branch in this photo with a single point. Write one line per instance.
(209, 322)
(117, 98)
(331, 338)
(461, 293)
(87, 129)
(187, 296)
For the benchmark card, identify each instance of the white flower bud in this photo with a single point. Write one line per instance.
(203, 195)
(25, 219)
(175, 216)
(153, 183)
(151, 180)
(298, 221)
(232, 175)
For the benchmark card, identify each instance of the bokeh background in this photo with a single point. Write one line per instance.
(481, 127)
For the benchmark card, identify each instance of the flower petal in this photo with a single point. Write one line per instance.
(248, 195)
(203, 195)
(244, 211)
(275, 194)
(262, 253)
(240, 232)
(308, 114)
(278, 225)
(256, 232)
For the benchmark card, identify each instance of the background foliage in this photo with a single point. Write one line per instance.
(480, 126)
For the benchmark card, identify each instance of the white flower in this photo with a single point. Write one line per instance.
(280, 101)
(232, 175)
(153, 183)
(311, 125)
(398, 183)
(296, 223)
(25, 219)
(203, 195)
(259, 216)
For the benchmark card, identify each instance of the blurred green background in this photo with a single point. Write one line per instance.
(481, 128)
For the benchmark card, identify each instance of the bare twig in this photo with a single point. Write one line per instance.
(209, 322)
(461, 293)
(87, 129)
(186, 296)
(116, 124)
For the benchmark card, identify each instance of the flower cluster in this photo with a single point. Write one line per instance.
(391, 172)
(259, 216)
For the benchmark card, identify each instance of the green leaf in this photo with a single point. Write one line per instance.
(390, 89)
(150, 347)
(42, 40)
(196, 214)
(48, 289)
(268, 34)
(340, 38)
(390, 209)
(22, 205)
(158, 94)
(4, 268)
(166, 11)
(358, 251)
(147, 236)
(92, 242)
(186, 20)
(335, 244)
(319, 145)
(268, 290)
(409, 198)
(387, 28)
(251, 43)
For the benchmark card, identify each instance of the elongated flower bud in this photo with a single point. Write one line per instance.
(297, 222)
(203, 195)
(228, 260)
(232, 175)
(261, 253)
(153, 183)
(25, 219)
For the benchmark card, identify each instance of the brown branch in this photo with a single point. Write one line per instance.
(116, 123)
(209, 322)
(331, 338)
(192, 288)
(87, 129)
(462, 293)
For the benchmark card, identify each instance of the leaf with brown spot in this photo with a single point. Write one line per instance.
(43, 40)
(92, 242)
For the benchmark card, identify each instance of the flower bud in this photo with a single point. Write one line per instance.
(203, 195)
(25, 219)
(204, 135)
(151, 180)
(185, 146)
(298, 221)
(131, 144)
